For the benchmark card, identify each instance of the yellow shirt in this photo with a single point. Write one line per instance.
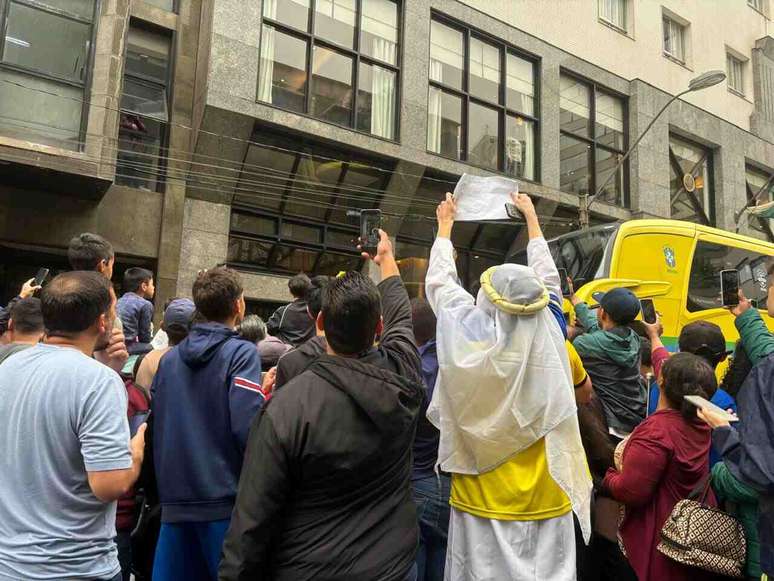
(521, 488)
(579, 374)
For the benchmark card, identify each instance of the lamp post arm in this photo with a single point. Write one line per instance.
(631, 149)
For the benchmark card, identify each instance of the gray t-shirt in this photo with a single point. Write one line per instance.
(62, 414)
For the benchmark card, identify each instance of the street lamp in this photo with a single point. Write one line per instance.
(703, 81)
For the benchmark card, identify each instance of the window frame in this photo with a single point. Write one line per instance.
(594, 88)
(606, 21)
(171, 35)
(323, 247)
(683, 59)
(759, 6)
(732, 59)
(503, 110)
(354, 53)
(709, 215)
(86, 85)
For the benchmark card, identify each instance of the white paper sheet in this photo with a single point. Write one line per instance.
(483, 198)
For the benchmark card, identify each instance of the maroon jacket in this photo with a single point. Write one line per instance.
(664, 460)
(138, 402)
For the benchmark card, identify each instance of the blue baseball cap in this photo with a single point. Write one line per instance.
(179, 313)
(621, 304)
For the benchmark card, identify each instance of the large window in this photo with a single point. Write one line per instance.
(482, 101)
(593, 139)
(709, 259)
(144, 110)
(692, 196)
(45, 63)
(336, 60)
(759, 186)
(291, 202)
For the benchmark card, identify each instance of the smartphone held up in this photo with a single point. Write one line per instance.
(729, 287)
(370, 224)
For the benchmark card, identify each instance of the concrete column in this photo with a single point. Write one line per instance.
(730, 182)
(204, 241)
(172, 219)
(762, 119)
(550, 157)
(649, 169)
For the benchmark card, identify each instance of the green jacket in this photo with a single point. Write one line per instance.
(757, 339)
(741, 502)
(612, 360)
(620, 346)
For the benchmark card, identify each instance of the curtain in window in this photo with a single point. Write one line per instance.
(383, 91)
(266, 75)
(614, 11)
(434, 109)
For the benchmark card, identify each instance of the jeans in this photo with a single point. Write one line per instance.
(124, 544)
(431, 495)
(189, 551)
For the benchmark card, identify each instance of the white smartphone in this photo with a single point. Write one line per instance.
(700, 402)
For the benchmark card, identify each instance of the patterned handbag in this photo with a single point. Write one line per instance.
(700, 536)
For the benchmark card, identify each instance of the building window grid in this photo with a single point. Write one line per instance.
(504, 112)
(312, 40)
(613, 12)
(594, 144)
(674, 39)
(735, 72)
(85, 82)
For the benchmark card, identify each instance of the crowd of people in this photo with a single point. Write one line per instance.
(359, 434)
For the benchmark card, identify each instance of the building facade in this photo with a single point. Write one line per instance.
(248, 132)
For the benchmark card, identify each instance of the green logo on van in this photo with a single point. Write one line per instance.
(669, 256)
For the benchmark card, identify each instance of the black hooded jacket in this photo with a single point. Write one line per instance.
(325, 489)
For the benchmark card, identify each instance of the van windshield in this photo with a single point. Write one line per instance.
(582, 254)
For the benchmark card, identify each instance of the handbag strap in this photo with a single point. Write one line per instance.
(702, 489)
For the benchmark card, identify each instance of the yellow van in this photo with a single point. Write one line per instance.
(676, 263)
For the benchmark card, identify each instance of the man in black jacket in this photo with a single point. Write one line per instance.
(325, 488)
(291, 324)
(297, 360)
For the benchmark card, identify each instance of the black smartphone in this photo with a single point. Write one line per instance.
(729, 287)
(137, 420)
(370, 224)
(563, 276)
(648, 311)
(40, 277)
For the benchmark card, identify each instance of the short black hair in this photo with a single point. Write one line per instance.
(687, 374)
(27, 316)
(704, 339)
(299, 285)
(73, 301)
(252, 329)
(314, 295)
(215, 291)
(134, 277)
(87, 250)
(423, 318)
(351, 310)
(176, 334)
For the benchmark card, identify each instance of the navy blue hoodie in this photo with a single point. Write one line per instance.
(204, 397)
